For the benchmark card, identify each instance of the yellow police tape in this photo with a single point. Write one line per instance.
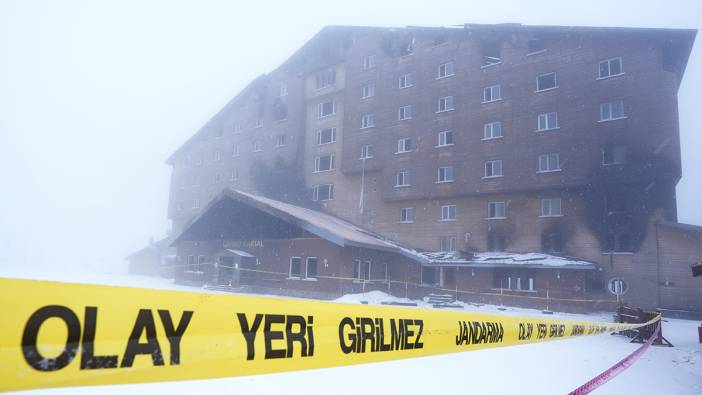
(57, 334)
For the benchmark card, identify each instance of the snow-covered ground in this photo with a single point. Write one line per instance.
(547, 368)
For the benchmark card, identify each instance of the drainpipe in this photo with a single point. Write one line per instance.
(658, 267)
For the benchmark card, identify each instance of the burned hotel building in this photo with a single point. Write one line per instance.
(502, 162)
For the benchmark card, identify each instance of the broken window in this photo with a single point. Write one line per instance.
(361, 270)
(280, 110)
(491, 53)
(496, 241)
(535, 45)
(615, 155)
(551, 241)
(430, 275)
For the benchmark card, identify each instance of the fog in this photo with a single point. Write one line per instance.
(94, 96)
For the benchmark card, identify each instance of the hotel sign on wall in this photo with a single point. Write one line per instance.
(242, 243)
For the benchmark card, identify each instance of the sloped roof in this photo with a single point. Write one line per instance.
(346, 234)
(681, 226)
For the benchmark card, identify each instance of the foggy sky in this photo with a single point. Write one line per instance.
(94, 96)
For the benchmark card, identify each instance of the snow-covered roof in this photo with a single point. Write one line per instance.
(346, 234)
(507, 259)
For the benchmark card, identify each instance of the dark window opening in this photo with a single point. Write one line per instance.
(429, 276)
(496, 242)
(536, 45)
(619, 241)
(551, 242)
(491, 53)
(280, 110)
(449, 276)
(501, 279)
(295, 264)
(311, 268)
(361, 270)
(614, 155)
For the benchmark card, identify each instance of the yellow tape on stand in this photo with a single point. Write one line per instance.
(57, 334)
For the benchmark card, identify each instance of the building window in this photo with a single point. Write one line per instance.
(235, 150)
(367, 121)
(327, 108)
(404, 112)
(258, 123)
(280, 140)
(200, 262)
(403, 179)
(493, 168)
(257, 146)
(535, 45)
(448, 212)
(368, 62)
(612, 110)
(491, 54)
(496, 241)
(196, 203)
(368, 91)
(324, 163)
(217, 156)
(492, 130)
(447, 243)
(326, 78)
(366, 152)
(445, 104)
(549, 162)
(551, 207)
(408, 49)
(234, 176)
(361, 270)
(445, 138)
(492, 93)
(238, 128)
(326, 136)
(551, 241)
(406, 215)
(323, 192)
(405, 81)
(404, 145)
(216, 178)
(444, 174)
(283, 90)
(295, 267)
(311, 267)
(610, 68)
(614, 155)
(219, 132)
(198, 161)
(547, 121)
(496, 210)
(546, 81)
(445, 70)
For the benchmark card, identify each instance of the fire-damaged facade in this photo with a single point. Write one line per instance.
(506, 160)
